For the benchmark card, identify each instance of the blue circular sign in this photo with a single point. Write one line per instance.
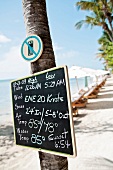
(32, 48)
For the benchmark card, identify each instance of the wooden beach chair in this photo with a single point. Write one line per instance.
(101, 83)
(94, 89)
(92, 93)
(78, 100)
(74, 111)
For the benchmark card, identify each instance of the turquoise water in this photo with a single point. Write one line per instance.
(5, 96)
(79, 83)
(76, 84)
(5, 100)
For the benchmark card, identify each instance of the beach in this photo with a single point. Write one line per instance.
(93, 131)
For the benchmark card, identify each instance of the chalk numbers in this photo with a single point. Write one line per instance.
(62, 144)
(33, 123)
(38, 139)
(50, 127)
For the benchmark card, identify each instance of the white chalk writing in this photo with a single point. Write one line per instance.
(50, 76)
(48, 112)
(24, 138)
(18, 97)
(32, 87)
(50, 98)
(21, 130)
(63, 135)
(18, 106)
(32, 80)
(51, 84)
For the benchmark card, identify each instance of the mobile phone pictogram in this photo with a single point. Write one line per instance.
(30, 47)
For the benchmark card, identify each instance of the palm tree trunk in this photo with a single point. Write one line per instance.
(107, 30)
(108, 15)
(36, 22)
(52, 162)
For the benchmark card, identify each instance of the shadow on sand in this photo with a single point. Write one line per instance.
(99, 126)
(94, 129)
(105, 91)
(110, 84)
(79, 116)
(100, 105)
(7, 131)
(105, 95)
(97, 163)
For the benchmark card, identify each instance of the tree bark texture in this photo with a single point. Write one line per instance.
(36, 22)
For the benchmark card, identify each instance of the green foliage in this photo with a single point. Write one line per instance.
(100, 14)
(106, 50)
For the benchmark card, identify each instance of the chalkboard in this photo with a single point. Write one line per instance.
(42, 112)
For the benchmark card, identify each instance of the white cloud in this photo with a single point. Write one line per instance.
(57, 47)
(4, 39)
(69, 54)
(14, 66)
(67, 58)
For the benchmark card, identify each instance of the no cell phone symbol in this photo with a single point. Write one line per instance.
(32, 48)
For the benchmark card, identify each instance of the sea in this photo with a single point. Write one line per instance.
(5, 93)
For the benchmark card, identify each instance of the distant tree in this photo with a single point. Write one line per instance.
(100, 14)
(36, 22)
(106, 50)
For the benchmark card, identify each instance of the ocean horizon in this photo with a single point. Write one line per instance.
(5, 97)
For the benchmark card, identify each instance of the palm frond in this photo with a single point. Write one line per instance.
(79, 24)
(89, 21)
(92, 21)
(85, 5)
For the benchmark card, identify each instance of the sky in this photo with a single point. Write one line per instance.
(71, 46)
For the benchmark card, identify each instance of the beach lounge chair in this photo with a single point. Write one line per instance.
(74, 111)
(101, 82)
(78, 100)
(97, 87)
(92, 93)
(93, 89)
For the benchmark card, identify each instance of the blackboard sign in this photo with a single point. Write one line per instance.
(42, 112)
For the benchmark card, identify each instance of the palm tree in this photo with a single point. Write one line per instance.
(101, 15)
(36, 22)
(106, 50)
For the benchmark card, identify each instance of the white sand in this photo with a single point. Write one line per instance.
(94, 133)
(94, 138)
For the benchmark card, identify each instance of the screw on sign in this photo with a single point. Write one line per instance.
(32, 48)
